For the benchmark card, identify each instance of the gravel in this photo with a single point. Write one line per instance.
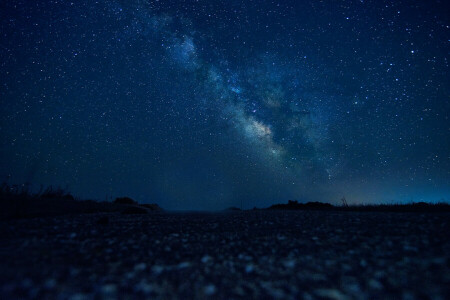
(254, 254)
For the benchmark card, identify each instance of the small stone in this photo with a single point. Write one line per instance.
(157, 269)
(375, 284)
(74, 271)
(78, 296)
(239, 291)
(289, 263)
(277, 293)
(184, 265)
(206, 259)
(140, 267)
(407, 295)
(50, 284)
(109, 289)
(331, 294)
(281, 237)
(130, 275)
(363, 263)
(210, 290)
(249, 268)
(145, 287)
(27, 283)
(409, 248)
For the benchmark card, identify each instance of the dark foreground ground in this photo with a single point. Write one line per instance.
(257, 254)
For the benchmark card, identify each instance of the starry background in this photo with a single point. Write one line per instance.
(208, 104)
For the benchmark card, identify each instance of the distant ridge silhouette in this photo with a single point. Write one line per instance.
(409, 207)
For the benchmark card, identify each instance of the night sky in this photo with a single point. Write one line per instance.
(210, 104)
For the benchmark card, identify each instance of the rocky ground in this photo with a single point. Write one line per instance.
(257, 254)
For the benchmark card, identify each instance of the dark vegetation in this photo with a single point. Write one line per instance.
(233, 208)
(410, 207)
(124, 200)
(153, 206)
(295, 205)
(20, 202)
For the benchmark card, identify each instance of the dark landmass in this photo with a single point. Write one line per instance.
(410, 207)
(18, 203)
(233, 208)
(295, 205)
(229, 255)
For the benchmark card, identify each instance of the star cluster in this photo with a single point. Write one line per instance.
(209, 104)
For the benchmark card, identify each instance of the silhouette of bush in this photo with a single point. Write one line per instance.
(233, 208)
(318, 205)
(124, 200)
(411, 207)
(152, 206)
(295, 205)
(18, 201)
(292, 202)
(69, 197)
(51, 193)
(133, 210)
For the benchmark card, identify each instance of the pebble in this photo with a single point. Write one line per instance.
(50, 284)
(184, 265)
(145, 287)
(79, 296)
(27, 283)
(140, 267)
(331, 294)
(375, 284)
(289, 263)
(210, 290)
(281, 237)
(249, 268)
(109, 289)
(157, 269)
(206, 259)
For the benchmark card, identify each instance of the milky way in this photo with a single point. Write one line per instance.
(210, 104)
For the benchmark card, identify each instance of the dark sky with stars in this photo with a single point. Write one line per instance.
(207, 104)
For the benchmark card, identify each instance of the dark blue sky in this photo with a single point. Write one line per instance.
(204, 104)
